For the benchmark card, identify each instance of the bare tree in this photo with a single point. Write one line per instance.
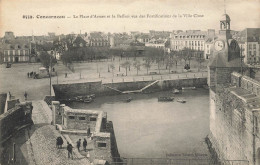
(147, 64)
(199, 58)
(137, 66)
(112, 66)
(126, 65)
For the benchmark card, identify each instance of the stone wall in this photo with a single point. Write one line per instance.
(14, 118)
(102, 146)
(80, 121)
(234, 124)
(230, 126)
(250, 85)
(65, 91)
(3, 97)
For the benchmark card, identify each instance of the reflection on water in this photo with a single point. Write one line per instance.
(145, 127)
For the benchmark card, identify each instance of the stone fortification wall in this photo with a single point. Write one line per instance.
(65, 91)
(14, 118)
(233, 122)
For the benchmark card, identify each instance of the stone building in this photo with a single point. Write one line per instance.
(192, 39)
(15, 50)
(234, 103)
(249, 41)
(80, 122)
(156, 43)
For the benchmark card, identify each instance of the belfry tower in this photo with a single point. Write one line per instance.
(225, 56)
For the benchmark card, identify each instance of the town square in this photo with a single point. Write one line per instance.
(130, 83)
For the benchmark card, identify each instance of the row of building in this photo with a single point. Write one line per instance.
(20, 49)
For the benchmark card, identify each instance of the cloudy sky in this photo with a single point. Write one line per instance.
(243, 14)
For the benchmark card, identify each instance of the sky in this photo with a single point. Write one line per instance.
(243, 14)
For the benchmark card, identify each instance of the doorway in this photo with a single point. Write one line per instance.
(16, 59)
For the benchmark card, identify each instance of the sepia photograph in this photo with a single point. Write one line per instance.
(129, 82)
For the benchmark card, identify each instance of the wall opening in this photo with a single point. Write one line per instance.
(102, 145)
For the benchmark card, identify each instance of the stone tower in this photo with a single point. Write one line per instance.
(225, 56)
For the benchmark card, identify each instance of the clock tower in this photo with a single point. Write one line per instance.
(225, 56)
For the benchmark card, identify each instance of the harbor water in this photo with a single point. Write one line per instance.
(147, 128)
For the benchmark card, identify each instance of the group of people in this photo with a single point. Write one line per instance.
(31, 74)
(59, 143)
(84, 144)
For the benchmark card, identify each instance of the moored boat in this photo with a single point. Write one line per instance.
(165, 98)
(176, 91)
(129, 99)
(181, 101)
(192, 88)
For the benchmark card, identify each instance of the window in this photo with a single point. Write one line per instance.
(250, 46)
(82, 118)
(71, 117)
(254, 46)
(92, 119)
(103, 145)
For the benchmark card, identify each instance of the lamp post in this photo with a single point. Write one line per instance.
(50, 69)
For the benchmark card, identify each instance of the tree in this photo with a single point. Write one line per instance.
(137, 66)
(47, 59)
(199, 58)
(153, 53)
(126, 65)
(67, 57)
(112, 66)
(170, 63)
(147, 64)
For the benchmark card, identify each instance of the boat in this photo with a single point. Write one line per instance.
(165, 98)
(192, 88)
(79, 98)
(129, 99)
(181, 101)
(88, 100)
(92, 96)
(176, 91)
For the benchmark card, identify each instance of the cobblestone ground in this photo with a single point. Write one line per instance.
(42, 140)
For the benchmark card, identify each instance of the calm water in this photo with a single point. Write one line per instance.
(145, 127)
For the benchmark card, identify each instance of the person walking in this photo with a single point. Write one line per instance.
(69, 148)
(85, 143)
(28, 75)
(25, 95)
(78, 144)
(61, 142)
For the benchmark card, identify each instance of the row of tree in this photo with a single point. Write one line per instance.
(157, 56)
